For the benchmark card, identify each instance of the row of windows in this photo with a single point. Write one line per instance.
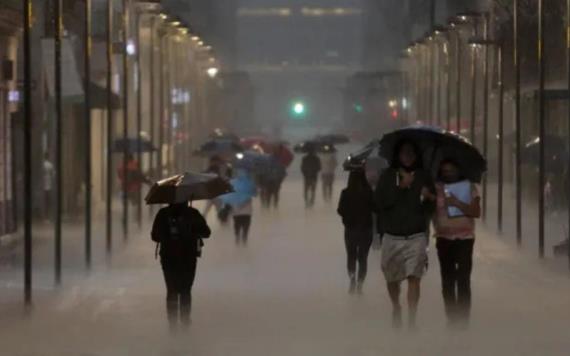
(304, 11)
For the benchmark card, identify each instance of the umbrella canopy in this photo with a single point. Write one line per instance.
(257, 141)
(313, 146)
(556, 153)
(252, 161)
(436, 144)
(333, 139)
(244, 189)
(219, 147)
(219, 134)
(132, 145)
(187, 187)
(357, 160)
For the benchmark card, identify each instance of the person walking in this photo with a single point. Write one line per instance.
(178, 230)
(329, 164)
(274, 179)
(241, 203)
(458, 205)
(405, 197)
(356, 207)
(310, 167)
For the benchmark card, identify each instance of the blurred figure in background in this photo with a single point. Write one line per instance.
(329, 163)
(134, 177)
(356, 207)
(273, 180)
(310, 167)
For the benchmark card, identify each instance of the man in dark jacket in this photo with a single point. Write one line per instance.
(179, 230)
(310, 167)
(405, 200)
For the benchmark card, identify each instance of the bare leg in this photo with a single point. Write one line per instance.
(413, 300)
(394, 291)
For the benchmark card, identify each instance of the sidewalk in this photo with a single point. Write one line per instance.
(286, 294)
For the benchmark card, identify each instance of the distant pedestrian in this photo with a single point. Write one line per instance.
(241, 204)
(310, 167)
(48, 180)
(373, 168)
(405, 196)
(178, 230)
(329, 163)
(274, 178)
(455, 235)
(135, 178)
(356, 207)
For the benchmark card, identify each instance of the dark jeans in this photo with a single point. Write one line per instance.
(241, 228)
(328, 183)
(179, 274)
(273, 190)
(310, 190)
(456, 262)
(357, 242)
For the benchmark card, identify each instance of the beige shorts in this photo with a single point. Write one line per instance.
(403, 258)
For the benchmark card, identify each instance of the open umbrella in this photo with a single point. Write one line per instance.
(219, 147)
(187, 187)
(436, 144)
(252, 161)
(219, 134)
(132, 145)
(357, 160)
(313, 146)
(243, 190)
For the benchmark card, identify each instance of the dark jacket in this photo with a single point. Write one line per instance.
(311, 166)
(179, 230)
(356, 208)
(401, 210)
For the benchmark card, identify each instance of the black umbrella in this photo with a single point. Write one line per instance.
(556, 153)
(219, 134)
(357, 160)
(333, 139)
(132, 145)
(187, 187)
(219, 147)
(314, 146)
(436, 144)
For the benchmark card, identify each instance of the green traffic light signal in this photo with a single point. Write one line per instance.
(298, 109)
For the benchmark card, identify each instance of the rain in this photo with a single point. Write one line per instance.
(284, 177)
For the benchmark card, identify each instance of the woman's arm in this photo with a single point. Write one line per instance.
(472, 210)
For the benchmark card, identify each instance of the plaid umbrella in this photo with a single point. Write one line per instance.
(187, 187)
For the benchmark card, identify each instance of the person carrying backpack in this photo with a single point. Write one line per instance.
(178, 230)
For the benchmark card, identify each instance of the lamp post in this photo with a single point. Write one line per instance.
(27, 133)
(542, 128)
(58, 35)
(518, 172)
(88, 158)
(110, 131)
(499, 48)
(125, 84)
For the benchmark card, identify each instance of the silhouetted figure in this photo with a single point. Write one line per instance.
(310, 167)
(329, 164)
(178, 230)
(356, 207)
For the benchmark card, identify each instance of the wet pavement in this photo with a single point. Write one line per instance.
(283, 294)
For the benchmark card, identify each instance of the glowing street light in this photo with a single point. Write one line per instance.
(212, 72)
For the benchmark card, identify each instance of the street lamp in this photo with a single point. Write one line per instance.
(212, 72)
(475, 42)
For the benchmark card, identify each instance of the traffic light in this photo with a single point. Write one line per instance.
(298, 109)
